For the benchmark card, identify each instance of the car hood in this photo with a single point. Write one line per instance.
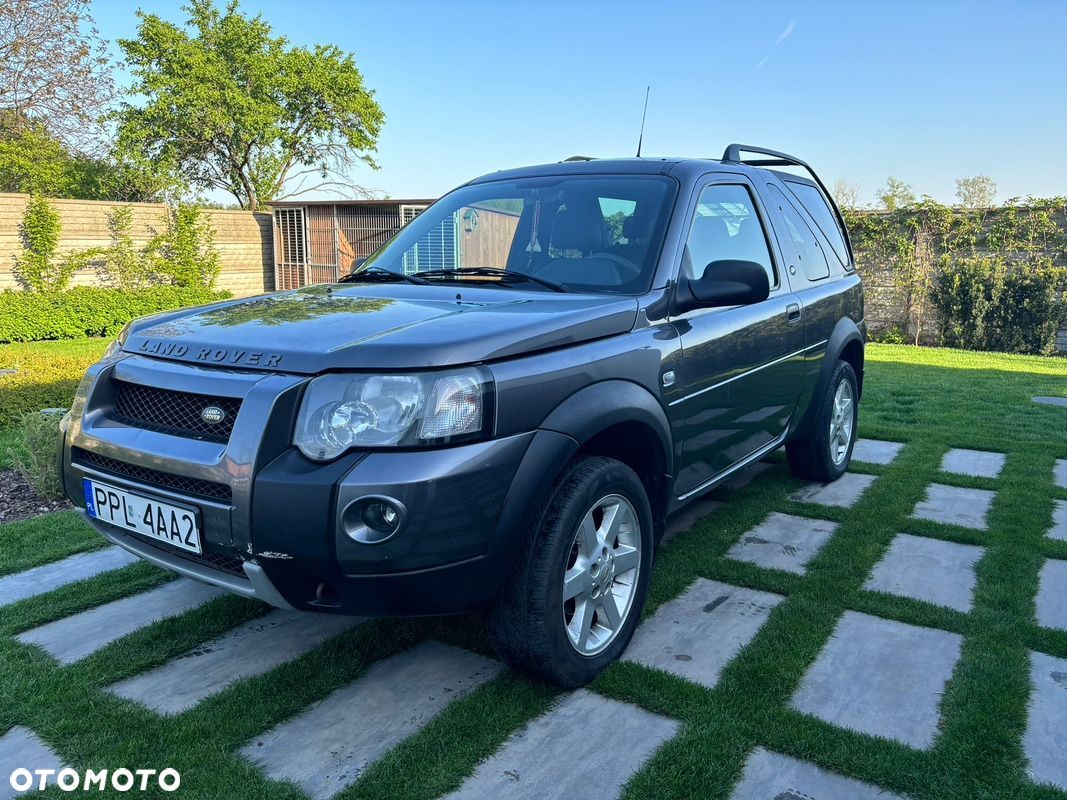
(379, 326)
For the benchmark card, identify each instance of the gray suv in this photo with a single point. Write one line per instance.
(498, 409)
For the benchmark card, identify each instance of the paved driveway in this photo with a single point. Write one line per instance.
(867, 678)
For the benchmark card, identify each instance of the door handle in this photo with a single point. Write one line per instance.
(792, 312)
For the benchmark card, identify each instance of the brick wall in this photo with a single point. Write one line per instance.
(242, 239)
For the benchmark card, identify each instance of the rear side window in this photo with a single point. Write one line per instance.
(805, 243)
(812, 200)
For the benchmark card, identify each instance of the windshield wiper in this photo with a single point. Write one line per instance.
(505, 276)
(387, 274)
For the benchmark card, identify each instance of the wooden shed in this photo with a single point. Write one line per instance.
(317, 241)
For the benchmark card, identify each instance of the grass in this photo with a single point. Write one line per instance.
(930, 399)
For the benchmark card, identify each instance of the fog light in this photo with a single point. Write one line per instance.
(373, 519)
(382, 516)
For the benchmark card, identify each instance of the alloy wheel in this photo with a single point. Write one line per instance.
(842, 420)
(600, 581)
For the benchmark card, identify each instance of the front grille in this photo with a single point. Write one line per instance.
(177, 483)
(220, 561)
(178, 413)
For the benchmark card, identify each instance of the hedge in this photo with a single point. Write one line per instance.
(88, 310)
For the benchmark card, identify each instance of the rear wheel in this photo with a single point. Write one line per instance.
(824, 453)
(575, 593)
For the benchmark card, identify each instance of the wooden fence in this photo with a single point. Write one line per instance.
(242, 239)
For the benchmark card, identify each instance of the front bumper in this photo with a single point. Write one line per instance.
(273, 521)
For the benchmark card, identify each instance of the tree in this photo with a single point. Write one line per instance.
(54, 70)
(235, 108)
(846, 194)
(896, 195)
(978, 191)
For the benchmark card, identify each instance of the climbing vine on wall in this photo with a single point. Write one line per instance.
(974, 278)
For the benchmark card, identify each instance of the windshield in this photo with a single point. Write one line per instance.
(588, 233)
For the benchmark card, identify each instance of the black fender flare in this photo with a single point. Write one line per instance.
(845, 332)
(572, 423)
(598, 407)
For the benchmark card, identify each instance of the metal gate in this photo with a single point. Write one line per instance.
(290, 249)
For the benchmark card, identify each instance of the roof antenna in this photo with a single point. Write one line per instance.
(643, 115)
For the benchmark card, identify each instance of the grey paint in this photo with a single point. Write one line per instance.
(251, 649)
(746, 476)
(1045, 741)
(1060, 473)
(329, 745)
(1059, 521)
(74, 568)
(843, 493)
(882, 678)
(874, 451)
(1060, 402)
(20, 747)
(977, 463)
(73, 638)
(562, 756)
(953, 505)
(1052, 595)
(684, 520)
(696, 635)
(783, 541)
(773, 776)
(386, 326)
(542, 350)
(928, 569)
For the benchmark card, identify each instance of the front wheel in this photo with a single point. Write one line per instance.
(824, 453)
(573, 598)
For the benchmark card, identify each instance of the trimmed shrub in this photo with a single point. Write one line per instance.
(88, 311)
(35, 453)
(989, 303)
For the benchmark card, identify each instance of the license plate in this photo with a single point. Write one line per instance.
(171, 524)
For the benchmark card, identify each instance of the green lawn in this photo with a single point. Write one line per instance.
(930, 399)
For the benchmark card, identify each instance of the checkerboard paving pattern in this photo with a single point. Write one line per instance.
(873, 676)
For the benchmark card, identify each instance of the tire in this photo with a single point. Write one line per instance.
(824, 452)
(534, 629)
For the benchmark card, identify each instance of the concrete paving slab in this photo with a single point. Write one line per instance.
(976, 463)
(47, 577)
(73, 638)
(1045, 742)
(953, 505)
(21, 748)
(689, 516)
(251, 649)
(843, 493)
(696, 635)
(1060, 402)
(1060, 473)
(329, 745)
(928, 569)
(881, 677)
(772, 776)
(1052, 595)
(874, 451)
(1059, 521)
(556, 758)
(783, 541)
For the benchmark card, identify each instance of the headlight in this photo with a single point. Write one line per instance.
(340, 412)
(116, 346)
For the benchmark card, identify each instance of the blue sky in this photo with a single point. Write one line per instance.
(925, 91)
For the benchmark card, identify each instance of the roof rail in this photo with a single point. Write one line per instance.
(732, 155)
(578, 158)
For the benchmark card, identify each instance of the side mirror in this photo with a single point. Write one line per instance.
(725, 283)
(359, 262)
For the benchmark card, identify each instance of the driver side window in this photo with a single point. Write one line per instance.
(726, 227)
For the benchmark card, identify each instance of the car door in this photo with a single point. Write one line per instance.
(742, 366)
